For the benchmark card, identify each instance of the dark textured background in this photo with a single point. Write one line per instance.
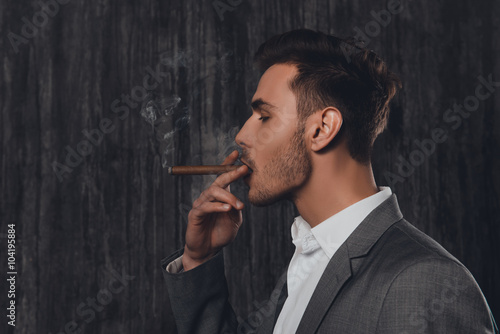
(119, 210)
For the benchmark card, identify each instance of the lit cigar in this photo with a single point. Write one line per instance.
(201, 170)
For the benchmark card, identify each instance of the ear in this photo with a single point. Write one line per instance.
(325, 126)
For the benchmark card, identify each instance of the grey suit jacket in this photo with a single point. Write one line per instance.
(387, 277)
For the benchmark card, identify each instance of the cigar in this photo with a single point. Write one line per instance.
(201, 170)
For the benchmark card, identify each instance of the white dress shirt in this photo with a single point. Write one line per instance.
(314, 247)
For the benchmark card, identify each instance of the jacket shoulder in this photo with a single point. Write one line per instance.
(404, 245)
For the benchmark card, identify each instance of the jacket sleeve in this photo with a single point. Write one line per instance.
(435, 296)
(199, 297)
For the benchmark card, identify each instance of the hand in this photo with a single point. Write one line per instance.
(215, 218)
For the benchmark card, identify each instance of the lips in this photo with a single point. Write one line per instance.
(246, 163)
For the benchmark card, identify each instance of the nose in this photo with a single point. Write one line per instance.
(242, 139)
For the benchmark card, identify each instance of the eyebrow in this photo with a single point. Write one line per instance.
(259, 103)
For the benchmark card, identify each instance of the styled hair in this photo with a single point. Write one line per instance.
(338, 73)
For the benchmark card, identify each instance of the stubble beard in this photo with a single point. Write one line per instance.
(284, 173)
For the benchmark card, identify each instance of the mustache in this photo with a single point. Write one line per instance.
(245, 159)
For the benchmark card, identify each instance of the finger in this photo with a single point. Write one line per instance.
(225, 181)
(215, 193)
(208, 207)
(227, 178)
(232, 157)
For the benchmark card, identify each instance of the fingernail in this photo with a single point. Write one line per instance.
(239, 204)
(226, 206)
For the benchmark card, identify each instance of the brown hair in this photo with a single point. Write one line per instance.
(335, 72)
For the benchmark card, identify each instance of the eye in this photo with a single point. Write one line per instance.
(263, 119)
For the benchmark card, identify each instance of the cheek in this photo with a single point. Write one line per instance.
(264, 138)
(274, 134)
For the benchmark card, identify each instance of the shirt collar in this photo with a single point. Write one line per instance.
(334, 231)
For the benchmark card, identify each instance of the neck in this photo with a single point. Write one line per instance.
(333, 185)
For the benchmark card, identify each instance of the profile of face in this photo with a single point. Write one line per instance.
(272, 140)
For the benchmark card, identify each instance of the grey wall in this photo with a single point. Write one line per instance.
(117, 212)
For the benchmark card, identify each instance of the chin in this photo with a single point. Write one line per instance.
(266, 198)
(261, 202)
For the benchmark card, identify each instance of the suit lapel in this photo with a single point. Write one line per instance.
(337, 272)
(281, 301)
(339, 269)
(276, 301)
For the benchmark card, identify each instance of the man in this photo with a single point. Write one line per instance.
(358, 267)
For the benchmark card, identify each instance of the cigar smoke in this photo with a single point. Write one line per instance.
(170, 114)
(165, 118)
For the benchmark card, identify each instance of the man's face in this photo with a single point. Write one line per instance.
(274, 146)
